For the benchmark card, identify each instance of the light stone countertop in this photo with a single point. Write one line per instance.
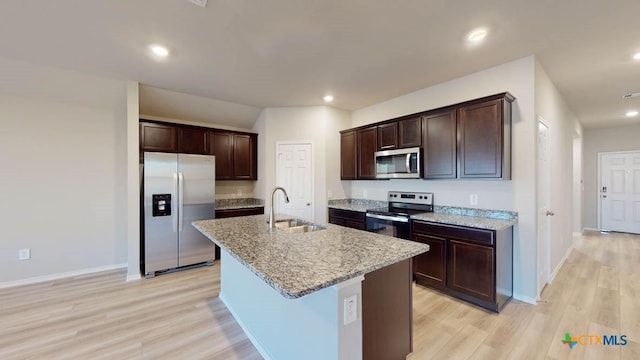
(299, 264)
(471, 217)
(358, 205)
(470, 221)
(238, 203)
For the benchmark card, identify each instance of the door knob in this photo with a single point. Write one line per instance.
(308, 204)
(550, 213)
(604, 196)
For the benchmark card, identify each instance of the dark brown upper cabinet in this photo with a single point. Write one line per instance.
(410, 132)
(469, 140)
(222, 148)
(388, 136)
(367, 140)
(440, 148)
(245, 157)
(158, 137)
(400, 134)
(236, 152)
(348, 155)
(236, 155)
(193, 140)
(484, 129)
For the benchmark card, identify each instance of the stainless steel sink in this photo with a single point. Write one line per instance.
(294, 226)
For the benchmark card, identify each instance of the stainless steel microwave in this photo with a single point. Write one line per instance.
(398, 164)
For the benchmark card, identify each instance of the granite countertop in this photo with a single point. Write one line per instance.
(299, 264)
(240, 203)
(471, 221)
(356, 204)
(472, 217)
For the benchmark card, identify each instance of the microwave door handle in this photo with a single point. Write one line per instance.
(409, 163)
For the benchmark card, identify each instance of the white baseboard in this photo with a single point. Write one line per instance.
(590, 229)
(134, 277)
(527, 299)
(43, 278)
(562, 261)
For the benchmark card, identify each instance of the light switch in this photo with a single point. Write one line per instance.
(350, 309)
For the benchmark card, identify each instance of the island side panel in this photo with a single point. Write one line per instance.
(310, 327)
(387, 318)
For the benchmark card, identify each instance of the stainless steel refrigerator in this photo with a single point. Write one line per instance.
(178, 189)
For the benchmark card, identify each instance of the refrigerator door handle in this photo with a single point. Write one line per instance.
(180, 201)
(175, 191)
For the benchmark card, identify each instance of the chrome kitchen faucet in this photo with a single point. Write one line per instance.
(271, 214)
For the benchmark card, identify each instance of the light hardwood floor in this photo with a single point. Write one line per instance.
(178, 315)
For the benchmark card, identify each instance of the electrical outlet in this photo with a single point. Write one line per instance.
(350, 309)
(329, 194)
(365, 194)
(473, 199)
(24, 254)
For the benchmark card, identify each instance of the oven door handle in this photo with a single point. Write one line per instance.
(390, 218)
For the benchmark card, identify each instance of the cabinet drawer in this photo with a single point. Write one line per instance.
(347, 214)
(481, 236)
(239, 212)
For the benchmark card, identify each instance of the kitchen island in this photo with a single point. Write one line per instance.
(301, 295)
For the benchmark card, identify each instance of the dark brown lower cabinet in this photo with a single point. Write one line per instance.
(227, 213)
(386, 313)
(431, 267)
(475, 265)
(348, 218)
(471, 269)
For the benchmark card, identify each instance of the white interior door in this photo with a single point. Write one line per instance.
(620, 191)
(294, 172)
(544, 204)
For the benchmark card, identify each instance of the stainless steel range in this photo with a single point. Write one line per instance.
(394, 219)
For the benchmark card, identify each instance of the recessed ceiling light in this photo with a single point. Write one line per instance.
(632, 113)
(159, 51)
(328, 98)
(636, 56)
(477, 34)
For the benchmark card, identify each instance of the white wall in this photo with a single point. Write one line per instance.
(578, 188)
(516, 77)
(563, 127)
(63, 158)
(318, 124)
(602, 140)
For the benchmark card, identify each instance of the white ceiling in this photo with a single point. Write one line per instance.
(271, 53)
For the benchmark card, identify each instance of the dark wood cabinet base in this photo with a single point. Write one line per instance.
(387, 318)
(475, 265)
(348, 218)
